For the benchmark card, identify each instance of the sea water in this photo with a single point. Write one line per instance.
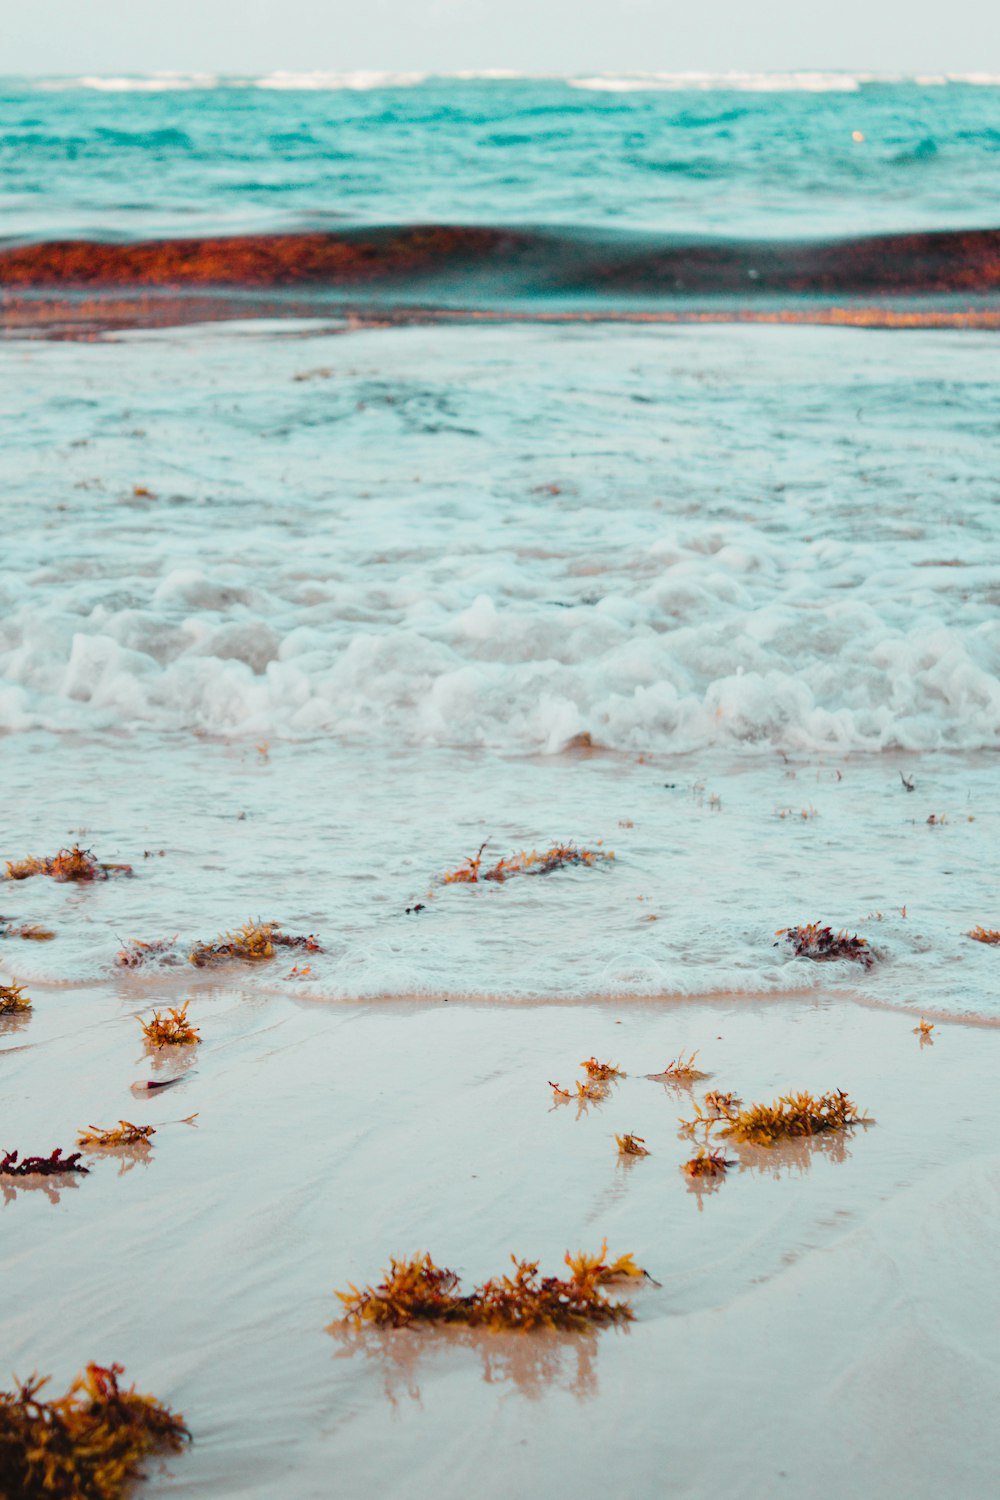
(294, 616)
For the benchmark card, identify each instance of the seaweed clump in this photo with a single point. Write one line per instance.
(823, 944)
(417, 1290)
(13, 1000)
(793, 1115)
(40, 1166)
(537, 862)
(254, 942)
(984, 935)
(127, 1134)
(69, 864)
(134, 953)
(631, 1145)
(601, 1072)
(680, 1069)
(32, 932)
(86, 1445)
(706, 1163)
(170, 1030)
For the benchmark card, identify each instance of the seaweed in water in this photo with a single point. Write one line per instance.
(32, 932)
(984, 935)
(86, 1445)
(601, 1072)
(537, 862)
(417, 1290)
(170, 1030)
(134, 953)
(40, 1166)
(793, 1115)
(631, 1145)
(254, 942)
(127, 1134)
(822, 944)
(13, 1000)
(69, 864)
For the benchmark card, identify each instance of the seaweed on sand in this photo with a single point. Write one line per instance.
(823, 944)
(706, 1163)
(254, 942)
(74, 864)
(40, 1166)
(631, 1145)
(793, 1115)
(127, 1134)
(86, 1445)
(170, 1030)
(680, 1069)
(417, 1290)
(535, 862)
(601, 1072)
(13, 1000)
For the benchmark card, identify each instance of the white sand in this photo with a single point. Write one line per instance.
(824, 1325)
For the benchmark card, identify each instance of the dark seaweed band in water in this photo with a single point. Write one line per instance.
(487, 266)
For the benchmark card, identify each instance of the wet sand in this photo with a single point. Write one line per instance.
(825, 1320)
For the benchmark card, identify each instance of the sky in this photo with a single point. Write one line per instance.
(535, 36)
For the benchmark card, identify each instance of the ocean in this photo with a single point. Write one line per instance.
(519, 581)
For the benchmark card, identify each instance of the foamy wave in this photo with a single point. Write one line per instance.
(146, 83)
(361, 81)
(763, 83)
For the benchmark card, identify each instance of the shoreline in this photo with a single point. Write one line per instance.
(324, 1141)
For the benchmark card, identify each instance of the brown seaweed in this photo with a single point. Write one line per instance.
(86, 1445)
(127, 1134)
(418, 1291)
(134, 953)
(793, 1115)
(254, 942)
(988, 935)
(631, 1145)
(535, 862)
(170, 1030)
(74, 864)
(823, 944)
(13, 1000)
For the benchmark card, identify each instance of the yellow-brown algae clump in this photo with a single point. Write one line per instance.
(984, 935)
(254, 942)
(681, 1067)
(706, 1163)
(417, 1290)
(601, 1071)
(631, 1145)
(170, 1030)
(127, 1134)
(86, 1445)
(69, 864)
(800, 1114)
(537, 862)
(13, 1000)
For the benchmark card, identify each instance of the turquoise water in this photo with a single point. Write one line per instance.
(745, 157)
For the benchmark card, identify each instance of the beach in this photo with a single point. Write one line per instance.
(531, 664)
